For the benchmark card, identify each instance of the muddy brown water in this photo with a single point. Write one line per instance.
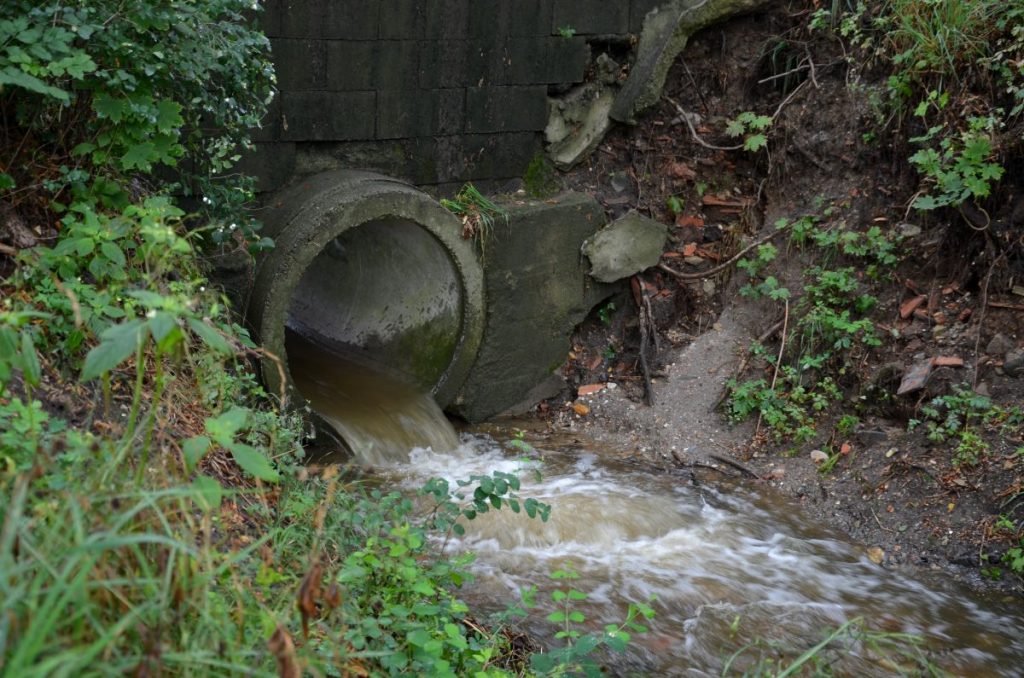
(722, 566)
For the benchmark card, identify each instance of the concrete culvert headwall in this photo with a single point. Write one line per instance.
(373, 267)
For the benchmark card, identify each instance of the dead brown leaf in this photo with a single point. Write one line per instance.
(588, 389)
(309, 595)
(283, 649)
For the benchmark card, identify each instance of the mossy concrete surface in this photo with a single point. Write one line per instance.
(365, 262)
(666, 31)
(537, 292)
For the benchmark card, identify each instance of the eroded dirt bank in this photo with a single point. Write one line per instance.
(918, 495)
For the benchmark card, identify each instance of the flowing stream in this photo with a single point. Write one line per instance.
(725, 565)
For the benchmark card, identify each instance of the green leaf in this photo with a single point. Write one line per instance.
(117, 343)
(168, 116)
(6, 181)
(224, 426)
(194, 449)
(12, 75)
(253, 462)
(113, 253)
(755, 142)
(207, 493)
(140, 156)
(29, 360)
(110, 108)
(211, 337)
(161, 324)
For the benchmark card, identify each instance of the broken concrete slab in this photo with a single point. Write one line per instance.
(577, 124)
(625, 247)
(666, 31)
(537, 291)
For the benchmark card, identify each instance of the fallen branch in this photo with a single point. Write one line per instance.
(699, 275)
(735, 464)
(697, 463)
(648, 335)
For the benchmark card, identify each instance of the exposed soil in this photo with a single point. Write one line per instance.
(895, 491)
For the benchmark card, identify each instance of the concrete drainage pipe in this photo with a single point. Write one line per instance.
(369, 264)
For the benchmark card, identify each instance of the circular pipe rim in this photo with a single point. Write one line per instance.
(319, 209)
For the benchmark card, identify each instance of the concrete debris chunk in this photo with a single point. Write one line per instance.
(625, 247)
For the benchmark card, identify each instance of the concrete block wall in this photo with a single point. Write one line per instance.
(431, 91)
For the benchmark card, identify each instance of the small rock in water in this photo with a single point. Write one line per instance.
(818, 457)
(580, 409)
(876, 555)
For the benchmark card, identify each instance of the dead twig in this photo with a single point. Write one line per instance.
(700, 275)
(778, 360)
(810, 62)
(999, 304)
(785, 101)
(693, 132)
(981, 315)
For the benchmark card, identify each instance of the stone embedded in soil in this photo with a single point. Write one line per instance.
(625, 247)
(916, 377)
(1013, 363)
(818, 457)
(1000, 344)
(908, 230)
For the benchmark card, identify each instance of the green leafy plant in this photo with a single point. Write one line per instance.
(478, 214)
(752, 127)
(675, 204)
(493, 491)
(771, 659)
(962, 416)
(960, 169)
(128, 100)
(576, 656)
(604, 314)
(566, 31)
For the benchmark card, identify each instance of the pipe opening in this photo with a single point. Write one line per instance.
(385, 293)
